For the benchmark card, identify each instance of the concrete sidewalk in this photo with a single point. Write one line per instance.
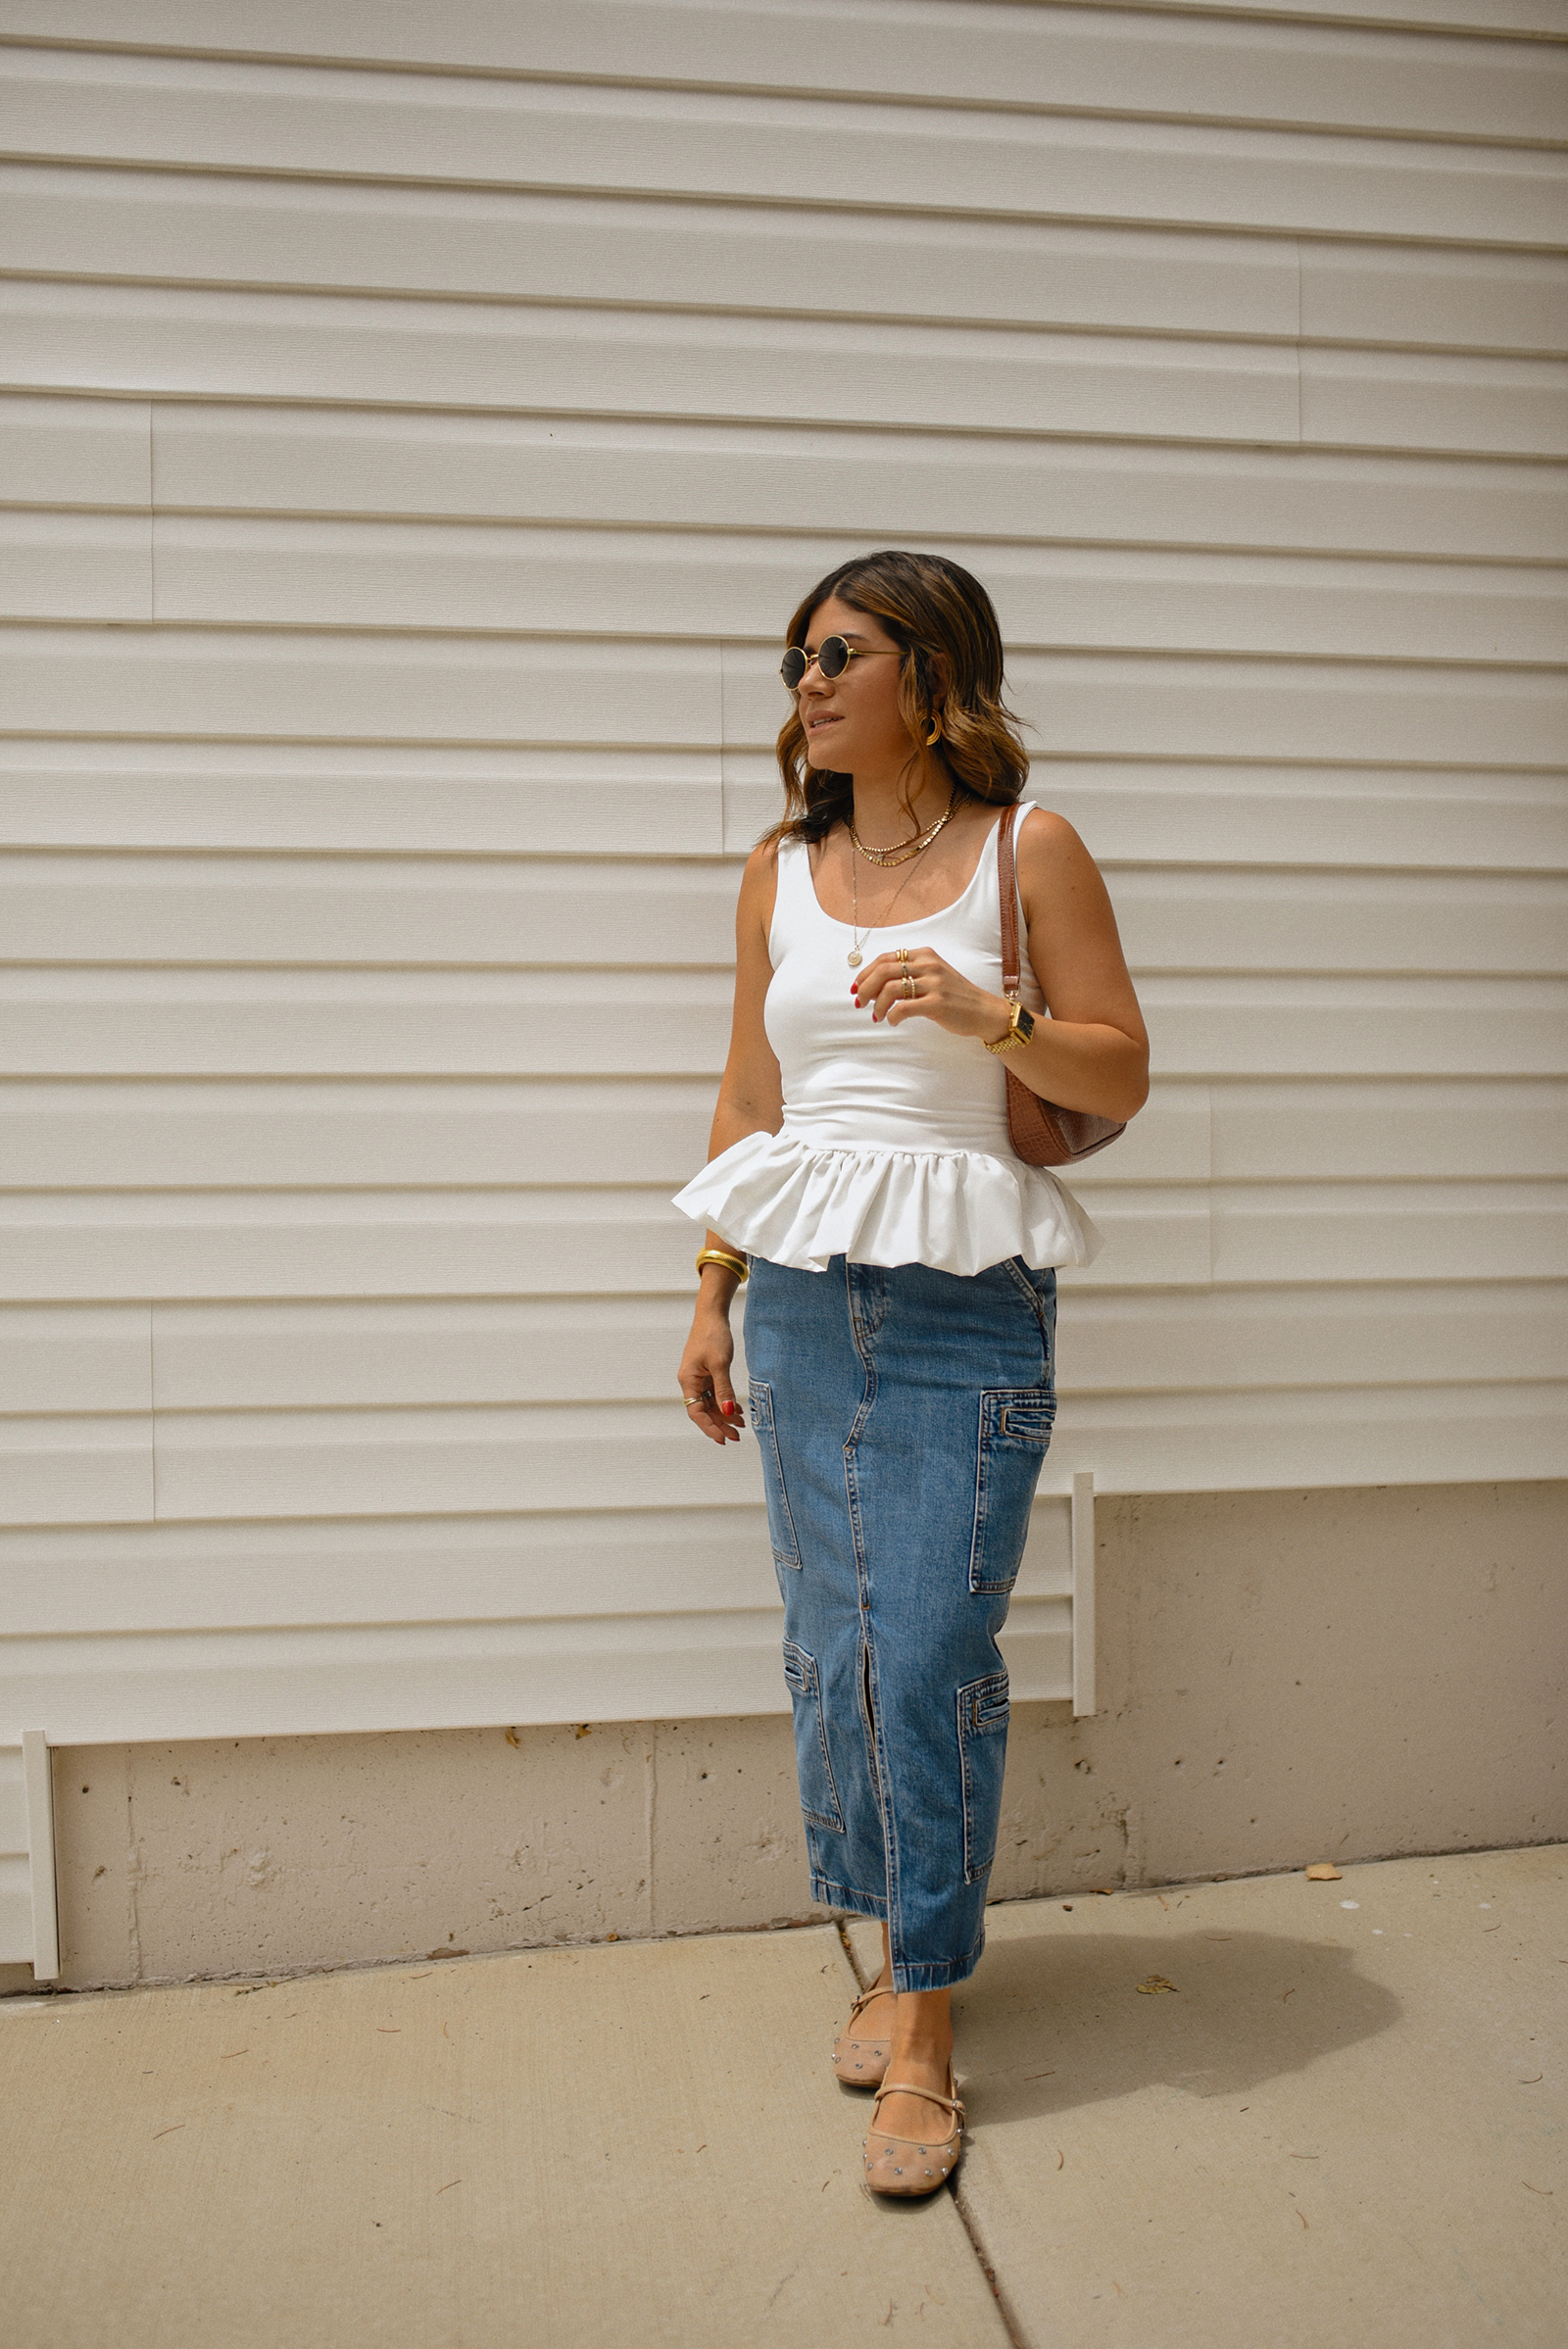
(1342, 2124)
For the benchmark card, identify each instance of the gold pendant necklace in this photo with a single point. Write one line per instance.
(854, 956)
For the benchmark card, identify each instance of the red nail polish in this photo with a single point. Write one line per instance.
(728, 1410)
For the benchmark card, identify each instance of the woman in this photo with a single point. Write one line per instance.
(901, 1307)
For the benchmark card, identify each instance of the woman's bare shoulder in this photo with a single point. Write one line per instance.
(1046, 840)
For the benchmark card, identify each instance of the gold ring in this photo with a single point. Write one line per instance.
(692, 1401)
(903, 954)
(908, 987)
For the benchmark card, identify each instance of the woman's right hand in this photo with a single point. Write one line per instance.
(705, 1369)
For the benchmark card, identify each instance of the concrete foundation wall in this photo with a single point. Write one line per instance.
(1284, 1676)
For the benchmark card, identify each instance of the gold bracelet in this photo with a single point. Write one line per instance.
(721, 1255)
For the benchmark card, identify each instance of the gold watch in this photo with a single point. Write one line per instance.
(1020, 1028)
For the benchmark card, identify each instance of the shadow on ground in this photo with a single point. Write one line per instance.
(1056, 2020)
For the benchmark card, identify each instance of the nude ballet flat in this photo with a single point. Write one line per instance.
(859, 2062)
(903, 2164)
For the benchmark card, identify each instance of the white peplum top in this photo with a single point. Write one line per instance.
(893, 1148)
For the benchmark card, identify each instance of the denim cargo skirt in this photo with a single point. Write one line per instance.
(903, 1416)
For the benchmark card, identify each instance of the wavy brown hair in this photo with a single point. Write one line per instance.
(945, 626)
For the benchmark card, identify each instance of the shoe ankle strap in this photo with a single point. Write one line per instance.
(906, 2087)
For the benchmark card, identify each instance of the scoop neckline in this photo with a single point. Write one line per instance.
(920, 920)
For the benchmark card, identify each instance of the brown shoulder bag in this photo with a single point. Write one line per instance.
(1042, 1134)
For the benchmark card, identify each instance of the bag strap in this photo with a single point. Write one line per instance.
(1007, 874)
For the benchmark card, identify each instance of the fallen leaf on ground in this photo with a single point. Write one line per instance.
(513, 1739)
(1323, 1872)
(1155, 1981)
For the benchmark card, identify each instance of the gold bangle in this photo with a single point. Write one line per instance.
(721, 1255)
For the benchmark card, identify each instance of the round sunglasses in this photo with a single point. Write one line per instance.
(832, 657)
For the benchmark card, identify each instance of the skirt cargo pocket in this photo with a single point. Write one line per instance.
(781, 1523)
(1014, 1436)
(820, 1797)
(984, 1711)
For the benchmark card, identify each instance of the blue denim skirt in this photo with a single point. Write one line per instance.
(903, 1416)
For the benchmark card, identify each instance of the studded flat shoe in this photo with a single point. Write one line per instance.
(904, 2165)
(859, 2061)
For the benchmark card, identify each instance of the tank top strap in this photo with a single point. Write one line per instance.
(794, 898)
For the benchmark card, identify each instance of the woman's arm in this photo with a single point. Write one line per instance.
(1092, 1052)
(751, 1100)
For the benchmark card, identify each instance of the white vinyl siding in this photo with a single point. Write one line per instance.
(416, 425)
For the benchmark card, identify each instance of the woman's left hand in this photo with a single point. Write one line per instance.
(918, 985)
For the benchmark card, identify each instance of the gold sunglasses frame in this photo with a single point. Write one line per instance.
(851, 653)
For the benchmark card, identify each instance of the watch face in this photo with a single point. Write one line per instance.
(1023, 1023)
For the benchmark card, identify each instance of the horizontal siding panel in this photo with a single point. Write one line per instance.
(574, 1023)
(1471, 821)
(476, 1243)
(1420, 400)
(123, 1135)
(351, 1355)
(1364, 1026)
(1122, 706)
(1338, 921)
(128, 1135)
(338, 1679)
(88, 453)
(460, 576)
(853, 263)
(74, 1359)
(76, 1470)
(577, 914)
(1341, 1131)
(566, 912)
(289, 1465)
(303, 347)
(609, 252)
(613, 251)
(488, 1570)
(368, 686)
(187, 681)
(1287, 72)
(157, 339)
(1397, 1231)
(777, 149)
(75, 566)
(411, 1570)
(388, 1463)
(345, 798)
(880, 486)
(328, 1243)
(340, 796)
(408, 1243)
(1282, 1441)
(1492, 301)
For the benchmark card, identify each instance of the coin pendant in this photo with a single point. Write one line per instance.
(854, 961)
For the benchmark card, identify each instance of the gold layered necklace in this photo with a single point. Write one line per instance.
(903, 850)
(854, 956)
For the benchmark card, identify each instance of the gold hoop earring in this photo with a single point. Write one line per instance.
(935, 735)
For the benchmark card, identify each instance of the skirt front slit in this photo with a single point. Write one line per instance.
(903, 1416)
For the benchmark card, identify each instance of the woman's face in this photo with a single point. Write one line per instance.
(853, 721)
